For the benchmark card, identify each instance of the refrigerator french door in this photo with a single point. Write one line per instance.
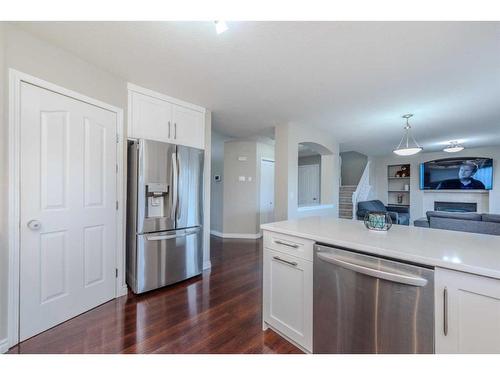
(164, 214)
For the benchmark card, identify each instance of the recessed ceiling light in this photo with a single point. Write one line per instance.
(454, 146)
(220, 26)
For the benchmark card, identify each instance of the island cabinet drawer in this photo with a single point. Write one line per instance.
(295, 246)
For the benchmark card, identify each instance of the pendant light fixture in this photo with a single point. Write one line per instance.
(454, 146)
(405, 147)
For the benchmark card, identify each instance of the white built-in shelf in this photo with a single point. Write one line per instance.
(397, 195)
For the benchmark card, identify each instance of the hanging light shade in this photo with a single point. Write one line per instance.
(454, 146)
(408, 145)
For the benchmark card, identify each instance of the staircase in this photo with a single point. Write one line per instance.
(345, 201)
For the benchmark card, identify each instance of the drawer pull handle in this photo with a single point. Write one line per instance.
(295, 246)
(445, 311)
(286, 261)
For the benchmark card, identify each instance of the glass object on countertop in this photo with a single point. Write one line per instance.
(378, 220)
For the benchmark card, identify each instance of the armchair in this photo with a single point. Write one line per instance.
(399, 215)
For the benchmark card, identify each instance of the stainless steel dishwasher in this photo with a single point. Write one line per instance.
(366, 304)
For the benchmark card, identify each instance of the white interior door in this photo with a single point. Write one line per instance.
(68, 214)
(266, 191)
(308, 189)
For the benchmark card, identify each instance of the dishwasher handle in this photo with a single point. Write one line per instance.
(391, 276)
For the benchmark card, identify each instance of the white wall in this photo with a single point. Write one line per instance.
(36, 57)
(418, 198)
(217, 188)
(3, 190)
(241, 208)
(309, 160)
(240, 198)
(207, 189)
(353, 166)
(24, 52)
(288, 137)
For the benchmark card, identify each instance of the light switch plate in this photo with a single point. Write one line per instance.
(242, 158)
(241, 178)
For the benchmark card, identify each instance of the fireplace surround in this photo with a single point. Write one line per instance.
(455, 206)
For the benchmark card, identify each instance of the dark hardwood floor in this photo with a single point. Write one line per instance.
(218, 312)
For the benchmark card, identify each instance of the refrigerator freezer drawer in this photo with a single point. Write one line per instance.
(164, 258)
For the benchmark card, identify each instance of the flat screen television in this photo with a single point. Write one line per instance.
(466, 173)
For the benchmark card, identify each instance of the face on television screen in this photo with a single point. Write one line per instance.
(457, 174)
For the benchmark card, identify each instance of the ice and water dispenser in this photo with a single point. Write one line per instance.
(157, 199)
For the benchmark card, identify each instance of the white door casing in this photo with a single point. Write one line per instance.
(266, 191)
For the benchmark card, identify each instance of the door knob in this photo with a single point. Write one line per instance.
(34, 224)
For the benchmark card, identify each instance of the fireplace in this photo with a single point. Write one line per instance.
(455, 206)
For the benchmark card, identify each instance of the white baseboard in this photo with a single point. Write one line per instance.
(123, 291)
(249, 236)
(216, 233)
(4, 345)
(207, 265)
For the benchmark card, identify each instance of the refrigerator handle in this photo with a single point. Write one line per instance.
(174, 187)
(178, 204)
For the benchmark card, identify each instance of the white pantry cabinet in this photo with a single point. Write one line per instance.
(158, 117)
(467, 313)
(287, 295)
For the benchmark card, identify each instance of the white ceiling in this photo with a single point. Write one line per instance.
(354, 79)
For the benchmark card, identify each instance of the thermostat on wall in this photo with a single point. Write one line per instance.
(217, 178)
(242, 158)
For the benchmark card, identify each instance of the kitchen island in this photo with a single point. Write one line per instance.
(466, 283)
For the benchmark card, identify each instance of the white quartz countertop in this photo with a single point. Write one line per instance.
(469, 252)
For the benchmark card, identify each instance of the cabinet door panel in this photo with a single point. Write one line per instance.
(467, 313)
(288, 296)
(188, 128)
(151, 118)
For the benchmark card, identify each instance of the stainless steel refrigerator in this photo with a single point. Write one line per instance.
(164, 214)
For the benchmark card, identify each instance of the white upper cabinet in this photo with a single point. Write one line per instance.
(467, 315)
(188, 127)
(158, 117)
(150, 118)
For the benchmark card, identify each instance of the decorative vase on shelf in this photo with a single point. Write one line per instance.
(378, 220)
(403, 172)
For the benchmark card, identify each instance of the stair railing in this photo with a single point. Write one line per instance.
(362, 190)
